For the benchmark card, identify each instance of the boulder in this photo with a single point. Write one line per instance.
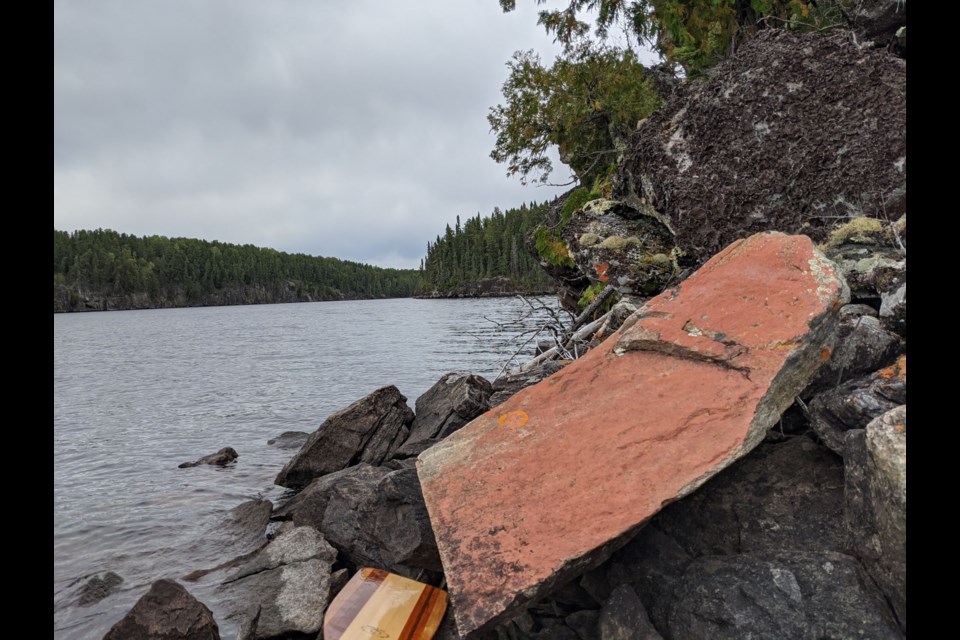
(375, 517)
(367, 431)
(166, 612)
(629, 248)
(624, 618)
(787, 495)
(871, 254)
(855, 403)
(790, 595)
(876, 503)
(289, 440)
(452, 402)
(221, 458)
(791, 133)
(531, 494)
(862, 346)
(283, 590)
(97, 588)
(876, 20)
(506, 386)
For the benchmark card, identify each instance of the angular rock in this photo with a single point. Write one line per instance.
(584, 623)
(624, 618)
(789, 596)
(893, 310)
(876, 503)
(289, 440)
(166, 612)
(221, 458)
(452, 402)
(530, 495)
(284, 589)
(782, 496)
(874, 19)
(789, 133)
(373, 515)
(368, 431)
(506, 386)
(855, 403)
(97, 588)
(614, 243)
(862, 346)
(871, 255)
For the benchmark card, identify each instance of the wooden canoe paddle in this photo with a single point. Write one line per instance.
(379, 605)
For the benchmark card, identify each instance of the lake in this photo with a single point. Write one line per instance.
(138, 392)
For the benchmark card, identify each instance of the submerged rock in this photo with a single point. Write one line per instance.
(367, 431)
(166, 612)
(97, 588)
(289, 440)
(530, 495)
(221, 458)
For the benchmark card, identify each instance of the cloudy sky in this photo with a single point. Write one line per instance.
(346, 128)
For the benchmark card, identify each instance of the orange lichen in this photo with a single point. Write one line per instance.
(825, 354)
(897, 369)
(513, 419)
(601, 270)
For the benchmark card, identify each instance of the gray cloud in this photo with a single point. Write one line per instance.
(349, 129)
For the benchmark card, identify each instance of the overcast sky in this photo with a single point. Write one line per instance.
(346, 128)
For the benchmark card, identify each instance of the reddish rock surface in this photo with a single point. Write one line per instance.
(550, 483)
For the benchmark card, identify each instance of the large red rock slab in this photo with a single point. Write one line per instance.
(548, 484)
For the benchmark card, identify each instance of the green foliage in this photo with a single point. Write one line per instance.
(552, 249)
(590, 294)
(585, 105)
(108, 263)
(484, 248)
(695, 33)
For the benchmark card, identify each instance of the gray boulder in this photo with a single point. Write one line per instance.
(452, 402)
(624, 618)
(787, 596)
(375, 516)
(876, 20)
(855, 403)
(284, 590)
(862, 346)
(368, 431)
(765, 142)
(506, 386)
(876, 503)
(219, 459)
(166, 612)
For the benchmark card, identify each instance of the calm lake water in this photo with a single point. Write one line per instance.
(138, 392)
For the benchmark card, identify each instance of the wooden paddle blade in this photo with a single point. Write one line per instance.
(378, 605)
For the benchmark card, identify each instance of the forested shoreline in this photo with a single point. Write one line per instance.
(485, 256)
(104, 269)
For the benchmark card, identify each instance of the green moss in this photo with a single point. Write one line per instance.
(590, 294)
(553, 250)
(862, 230)
(619, 243)
(589, 239)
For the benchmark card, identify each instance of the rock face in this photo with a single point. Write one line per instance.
(613, 243)
(283, 590)
(854, 404)
(375, 516)
(532, 494)
(166, 612)
(624, 618)
(790, 133)
(791, 595)
(876, 503)
(221, 458)
(369, 431)
(452, 402)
